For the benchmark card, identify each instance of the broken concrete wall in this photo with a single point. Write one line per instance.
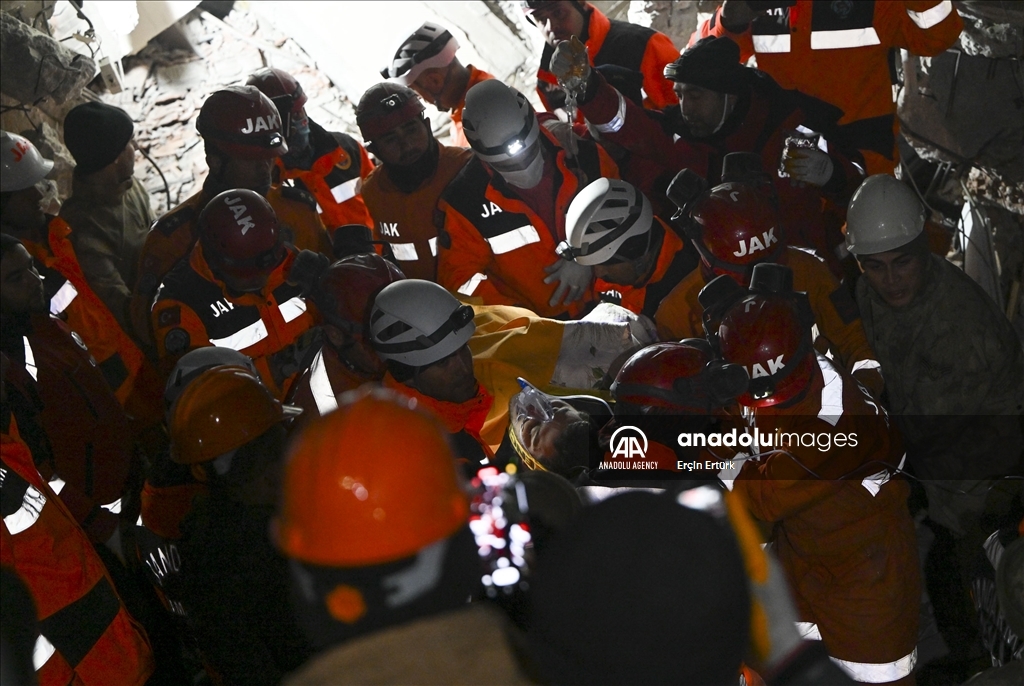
(37, 67)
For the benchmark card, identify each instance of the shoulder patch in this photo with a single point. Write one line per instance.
(176, 341)
(298, 195)
(344, 159)
(845, 304)
(169, 317)
(169, 223)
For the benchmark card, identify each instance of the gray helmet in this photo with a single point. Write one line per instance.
(502, 128)
(418, 322)
(884, 214)
(603, 216)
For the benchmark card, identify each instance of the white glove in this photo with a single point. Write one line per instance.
(570, 64)
(807, 165)
(573, 280)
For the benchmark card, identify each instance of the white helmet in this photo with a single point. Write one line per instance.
(503, 131)
(418, 322)
(884, 214)
(429, 47)
(23, 166)
(603, 216)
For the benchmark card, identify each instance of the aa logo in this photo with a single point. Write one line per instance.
(629, 443)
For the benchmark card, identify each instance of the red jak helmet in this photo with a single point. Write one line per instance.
(242, 122)
(283, 90)
(769, 334)
(681, 377)
(348, 287)
(734, 227)
(240, 235)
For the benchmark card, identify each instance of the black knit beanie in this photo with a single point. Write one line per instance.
(96, 133)
(712, 63)
(640, 590)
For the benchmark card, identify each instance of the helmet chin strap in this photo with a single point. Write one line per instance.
(726, 111)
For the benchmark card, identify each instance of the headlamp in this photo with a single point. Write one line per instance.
(515, 147)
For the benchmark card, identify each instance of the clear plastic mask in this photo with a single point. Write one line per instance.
(529, 403)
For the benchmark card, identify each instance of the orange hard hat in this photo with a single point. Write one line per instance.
(221, 410)
(373, 482)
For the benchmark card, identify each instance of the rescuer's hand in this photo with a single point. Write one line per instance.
(570, 63)
(807, 165)
(573, 280)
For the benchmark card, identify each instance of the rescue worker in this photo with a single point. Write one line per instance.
(608, 41)
(804, 44)
(426, 63)
(504, 213)
(463, 362)
(735, 227)
(167, 497)
(329, 165)
(243, 135)
(402, 192)
(108, 211)
(954, 379)
(822, 473)
(611, 227)
(232, 293)
(86, 635)
(229, 430)
(724, 108)
(69, 293)
(344, 296)
(683, 617)
(82, 443)
(374, 522)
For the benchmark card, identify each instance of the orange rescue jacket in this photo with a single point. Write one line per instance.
(621, 43)
(405, 221)
(85, 634)
(805, 46)
(193, 309)
(496, 247)
(175, 233)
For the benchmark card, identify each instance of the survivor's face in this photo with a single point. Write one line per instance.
(451, 379)
(403, 145)
(540, 437)
(703, 110)
(22, 287)
(559, 21)
(896, 276)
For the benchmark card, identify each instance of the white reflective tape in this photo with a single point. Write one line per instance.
(346, 191)
(30, 359)
(404, 252)
(42, 651)
(618, 121)
(831, 394)
(319, 210)
(138, 522)
(874, 483)
(469, 287)
(878, 673)
(114, 507)
(292, 309)
(866, 364)
(931, 17)
(320, 385)
(240, 340)
(57, 485)
(847, 38)
(433, 246)
(808, 631)
(514, 239)
(771, 43)
(63, 297)
(32, 504)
